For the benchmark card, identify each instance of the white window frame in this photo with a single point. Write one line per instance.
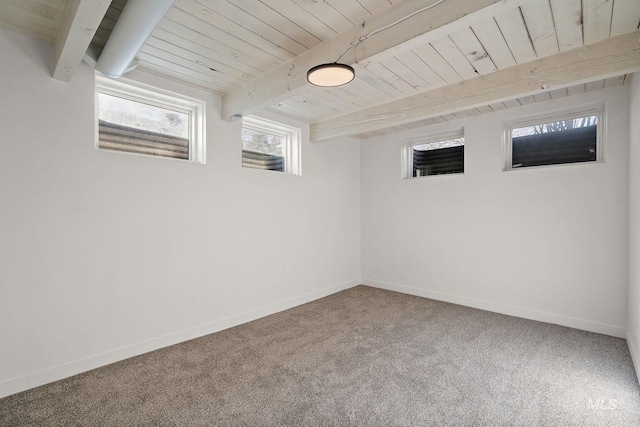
(147, 94)
(292, 140)
(410, 142)
(593, 110)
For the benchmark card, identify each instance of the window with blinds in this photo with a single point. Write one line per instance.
(149, 121)
(270, 145)
(438, 155)
(560, 139)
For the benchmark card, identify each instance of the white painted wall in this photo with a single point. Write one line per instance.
(633, 325)
(544, 243)
(106, 255)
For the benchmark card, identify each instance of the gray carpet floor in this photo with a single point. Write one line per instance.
(361, 357)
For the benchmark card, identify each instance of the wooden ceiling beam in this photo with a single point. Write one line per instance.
(609, 58)
(78, 24)
(401, 28)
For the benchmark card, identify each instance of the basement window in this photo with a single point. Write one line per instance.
(436, 155)
(553, 140)
(140, 119)
(270, 145)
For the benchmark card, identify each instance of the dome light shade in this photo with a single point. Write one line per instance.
(330, 75)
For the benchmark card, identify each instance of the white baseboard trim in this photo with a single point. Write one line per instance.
(60, 372)
(632, 343)
(557, 319)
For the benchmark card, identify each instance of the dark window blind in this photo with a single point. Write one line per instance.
(439, 161)
(551, 148)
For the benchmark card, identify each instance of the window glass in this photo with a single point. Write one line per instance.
(438, 157)
(434, 156)
(135, 127)
(136, 120)
(563, 140)
(270, 145)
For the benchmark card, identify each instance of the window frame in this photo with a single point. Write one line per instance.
(292, 140)
(410, 142)
(151, 95)
(560, 115)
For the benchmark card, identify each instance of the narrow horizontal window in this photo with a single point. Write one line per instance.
(144, 121)
(439, 156)
(269, 145)
(565, 139)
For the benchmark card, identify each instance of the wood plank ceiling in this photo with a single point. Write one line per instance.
(223, 45)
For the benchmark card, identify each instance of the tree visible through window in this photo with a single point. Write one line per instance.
(262, 142)
(567, 140)
(562, 125)
(139, 120)
(269, 145)
(135, 127)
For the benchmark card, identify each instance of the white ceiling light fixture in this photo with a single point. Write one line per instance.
(136, 23)
(333, 74)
